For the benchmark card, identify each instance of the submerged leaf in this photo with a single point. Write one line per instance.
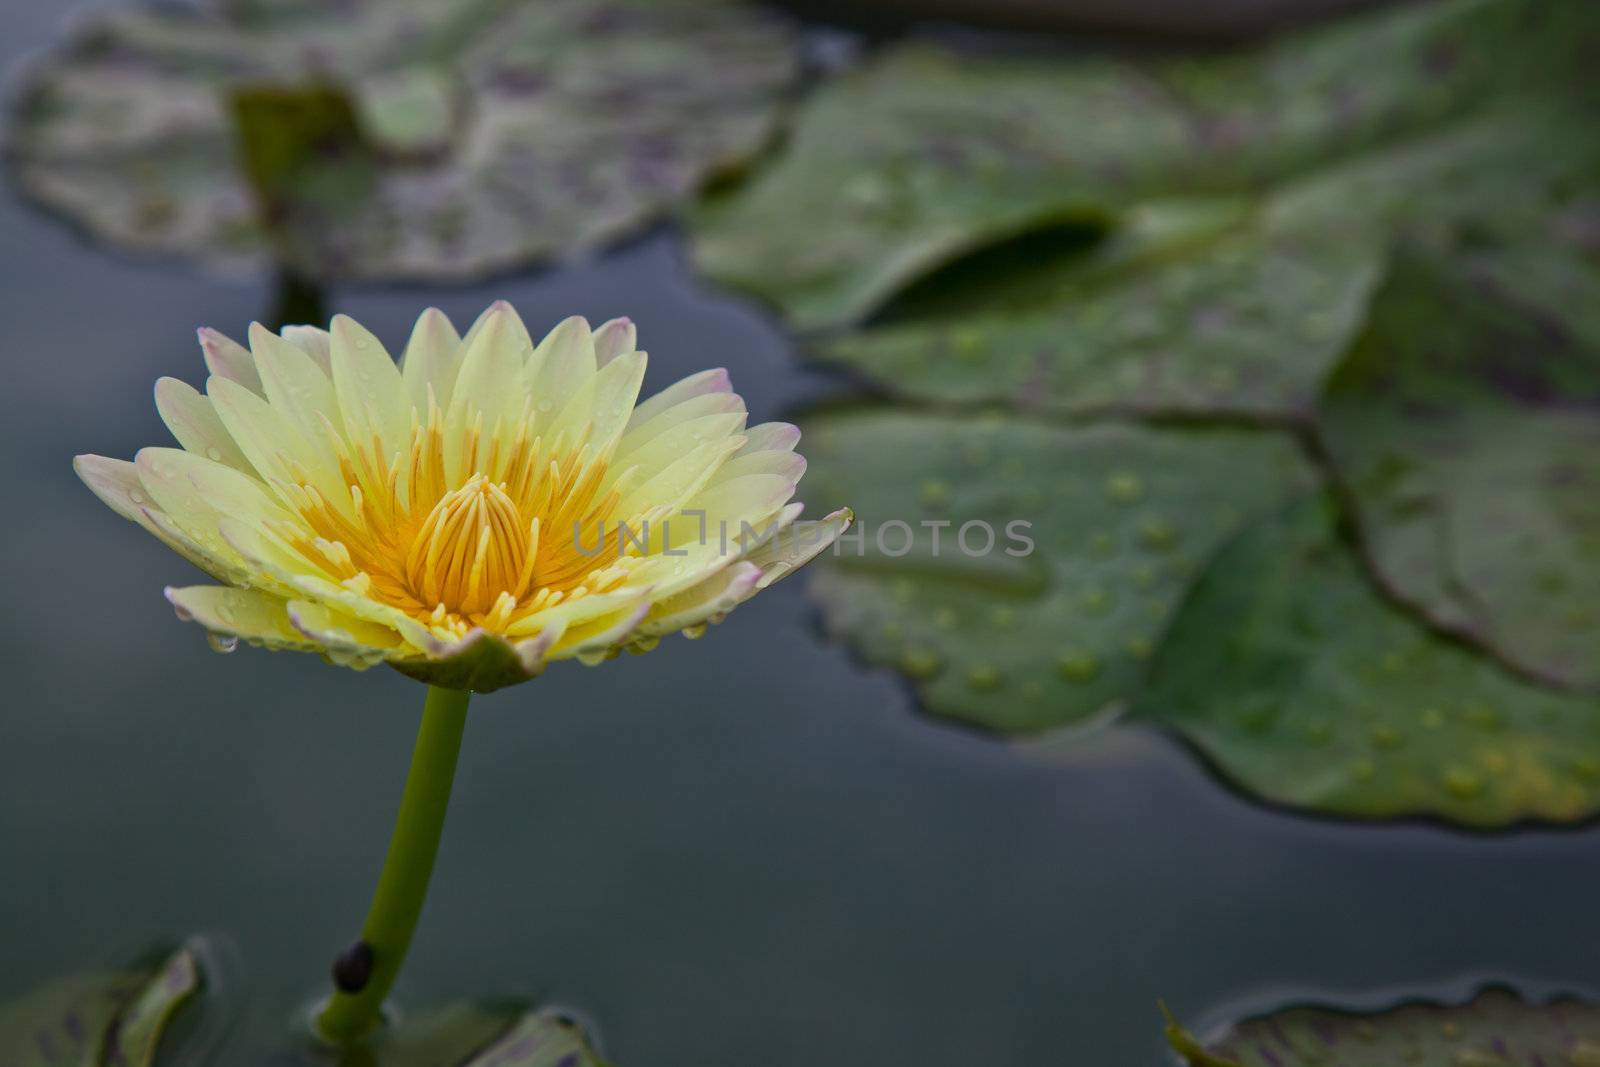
(1497, 1028)
(1036, 566)
(1466, 425)
(111, 1018)
(1295, 677)
(422, 139)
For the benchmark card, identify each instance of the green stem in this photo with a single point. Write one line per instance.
(350, 1015)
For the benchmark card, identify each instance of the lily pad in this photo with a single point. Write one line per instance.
(395, 139)
(1231, 306)
(112, 1018)
(927, 154)
(1465, 424)
(473, 1035)
(1010, 637)
(1291, 672)
(1497, 1028)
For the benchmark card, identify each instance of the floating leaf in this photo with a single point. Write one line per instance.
(1119, 518)
(1495, 1029)
(1224, 306)
(382, 139)
(1466, 425)
(1290, 671)
(111, 1018)
(926, 155)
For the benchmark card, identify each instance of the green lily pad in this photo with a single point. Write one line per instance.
(1466, 424)
(925, 155)
(1234, 306)
(1015, 639)
(472, 1035)
(112, 1018)
(1290, 671)
(394, 139)
(1497, 1028)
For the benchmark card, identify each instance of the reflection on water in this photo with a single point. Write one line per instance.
(742, 850)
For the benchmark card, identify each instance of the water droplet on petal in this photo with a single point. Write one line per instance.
(223, 643)
(695, 632)
(214, 454)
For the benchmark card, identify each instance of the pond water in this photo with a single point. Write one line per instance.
(746, 850)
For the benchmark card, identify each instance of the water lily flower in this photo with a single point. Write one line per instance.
(484, 507)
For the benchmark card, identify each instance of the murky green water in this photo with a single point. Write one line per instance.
(739, 851)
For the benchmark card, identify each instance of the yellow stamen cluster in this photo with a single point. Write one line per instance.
(455, 540)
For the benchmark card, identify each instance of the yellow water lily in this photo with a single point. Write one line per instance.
(483, 507)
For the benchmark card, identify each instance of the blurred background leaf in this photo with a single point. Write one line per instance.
(1497, 1028)
(925, 154)
(416, 140)
(1465, 423)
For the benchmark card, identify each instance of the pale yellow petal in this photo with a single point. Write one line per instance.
(372, 398)
(679, 481)
(579, 611)
(194, 422)
(707, 381)
(116, 482)
(616, 337)
(197, 494)
(783, 464)
(248, 614)
(772, 437)
(491, 387)
(745, 498)
(346, 639)
(227, 358)
(658, 452)
(797, 544)
(314, 342)
(701, 603)
(430, 361)
(600, 409)
(276, 446)
(560, 366)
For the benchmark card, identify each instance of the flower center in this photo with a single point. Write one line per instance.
(472, 547)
